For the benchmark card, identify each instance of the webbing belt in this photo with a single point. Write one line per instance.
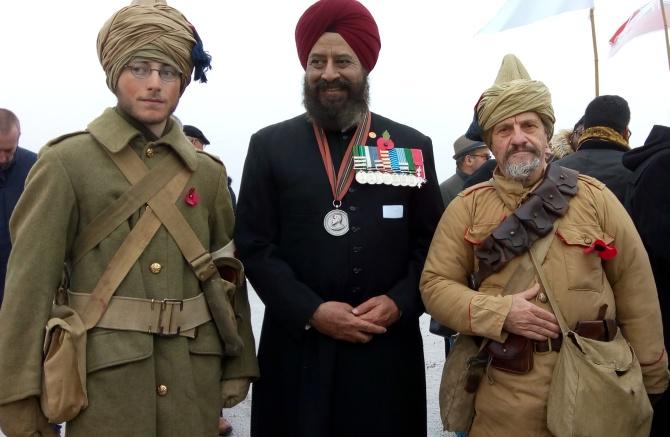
(166, 317)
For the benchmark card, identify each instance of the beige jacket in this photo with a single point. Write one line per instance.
(511, 404)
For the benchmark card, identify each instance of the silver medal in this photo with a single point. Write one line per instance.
(336, 222)
(387, 178)
(395, 180)
(379, 178)
(361, 177)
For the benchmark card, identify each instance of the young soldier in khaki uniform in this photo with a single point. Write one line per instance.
(517, 120)
(139, 383)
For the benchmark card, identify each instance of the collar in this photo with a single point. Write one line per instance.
(461, 174)
(512, 192)
(603, 133)
(114, 132)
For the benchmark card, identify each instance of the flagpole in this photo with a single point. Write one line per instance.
(665, 27)
(595, 50)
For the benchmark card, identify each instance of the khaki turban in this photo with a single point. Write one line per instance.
(513, 93)
(147, 29)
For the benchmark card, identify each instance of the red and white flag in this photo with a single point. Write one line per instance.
(517, 13)
(646, 19)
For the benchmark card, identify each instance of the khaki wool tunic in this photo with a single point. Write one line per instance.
(509, 404)
(73, 180)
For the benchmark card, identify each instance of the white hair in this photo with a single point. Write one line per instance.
(520, 171)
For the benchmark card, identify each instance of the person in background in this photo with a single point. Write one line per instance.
(649, 205)
(15, 163)
(469, 156)
(602, 144)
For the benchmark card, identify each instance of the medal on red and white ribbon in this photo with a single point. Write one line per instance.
(336, 221)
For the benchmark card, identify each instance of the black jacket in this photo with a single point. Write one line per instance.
(12, 180)
(601, 160)
(649, 206)
(312, 385)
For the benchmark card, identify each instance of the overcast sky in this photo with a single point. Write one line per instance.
(432, 67)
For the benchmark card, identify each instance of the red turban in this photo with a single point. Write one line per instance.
(348, 18)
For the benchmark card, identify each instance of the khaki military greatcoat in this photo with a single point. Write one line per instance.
(509, 404)
(139, 384)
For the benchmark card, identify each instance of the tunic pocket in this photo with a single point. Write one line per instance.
(106, 348)
(584, 271)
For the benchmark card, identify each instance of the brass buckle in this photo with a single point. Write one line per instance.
(164, 304)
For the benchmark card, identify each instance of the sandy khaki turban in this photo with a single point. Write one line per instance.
(153, 30)
(348, 18)
(513, 93)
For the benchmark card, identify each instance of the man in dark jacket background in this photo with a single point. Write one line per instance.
(15, 163)
(649, 206)
(603, 143)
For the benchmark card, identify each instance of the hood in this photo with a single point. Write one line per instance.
(658, 139)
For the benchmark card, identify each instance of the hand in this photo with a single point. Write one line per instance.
(234, 391)
(380, 310)
(529, 320)
(337, 320)
(24, 417)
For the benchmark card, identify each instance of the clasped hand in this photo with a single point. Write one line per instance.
(529, 320)
(341, 321)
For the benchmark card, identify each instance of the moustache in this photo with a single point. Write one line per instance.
(323, 85)
(522, 148)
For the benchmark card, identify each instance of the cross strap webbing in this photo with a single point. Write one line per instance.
(116, 213)
(194, 252)
(129, 251)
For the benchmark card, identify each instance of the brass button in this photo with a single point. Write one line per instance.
(587, 240)
(162, 390)
(155, 268)
(149, 152)
(542, 297)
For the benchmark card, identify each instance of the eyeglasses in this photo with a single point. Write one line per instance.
(485, 156)
(142, 70)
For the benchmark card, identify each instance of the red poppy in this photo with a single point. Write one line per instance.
(192, 198)
(385, 142)
(603, 250)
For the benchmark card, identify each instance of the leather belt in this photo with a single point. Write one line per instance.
(601, 330)
(164, 317)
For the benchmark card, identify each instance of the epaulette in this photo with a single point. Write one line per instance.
(480, 186)
(591, 181)
(214, 157)
(64, 137)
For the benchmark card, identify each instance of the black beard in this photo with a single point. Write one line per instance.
(336, 115)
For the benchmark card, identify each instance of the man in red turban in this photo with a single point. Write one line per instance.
(336, 212)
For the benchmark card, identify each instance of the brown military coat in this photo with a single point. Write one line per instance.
(509, 404)
(74, 180)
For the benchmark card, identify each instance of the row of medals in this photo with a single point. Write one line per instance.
(395, 179)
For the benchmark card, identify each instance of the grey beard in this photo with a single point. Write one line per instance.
(521, 171)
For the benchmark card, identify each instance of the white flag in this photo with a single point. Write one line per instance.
(517, 13)
(646, 19)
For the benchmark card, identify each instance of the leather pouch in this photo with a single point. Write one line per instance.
(515, 355)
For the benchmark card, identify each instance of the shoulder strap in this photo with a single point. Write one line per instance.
(145, 186)
(181, 231)
(535, 258)
(128, 253)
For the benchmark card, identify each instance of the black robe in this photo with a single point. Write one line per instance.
(312, 385)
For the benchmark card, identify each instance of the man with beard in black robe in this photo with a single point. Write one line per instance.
(336, 212)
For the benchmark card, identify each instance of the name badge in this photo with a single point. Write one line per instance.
(392, 211)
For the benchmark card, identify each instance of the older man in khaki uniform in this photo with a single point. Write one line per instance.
(517, 120)
(141, 382)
